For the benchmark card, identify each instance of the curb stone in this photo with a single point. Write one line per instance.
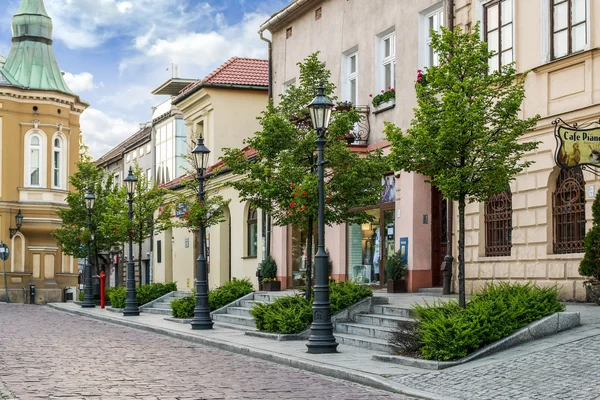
(346, 374)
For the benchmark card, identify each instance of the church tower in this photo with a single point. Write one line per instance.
(39, 148)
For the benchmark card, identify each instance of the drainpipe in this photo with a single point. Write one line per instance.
(268, 233)
(449, 259)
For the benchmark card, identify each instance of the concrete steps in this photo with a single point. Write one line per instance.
(238, 315)
(363, 342)
(162, 306)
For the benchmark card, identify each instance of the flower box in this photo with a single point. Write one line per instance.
(397, 286)
(272, 286)
(391, 103)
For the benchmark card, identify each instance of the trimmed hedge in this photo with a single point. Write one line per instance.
(144, 293)
(217, 298)
(445, 331)
(293, 314)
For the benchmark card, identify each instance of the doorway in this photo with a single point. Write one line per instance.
(439, 235)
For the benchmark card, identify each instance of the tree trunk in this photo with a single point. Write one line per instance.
(309, 258)
(461, 251)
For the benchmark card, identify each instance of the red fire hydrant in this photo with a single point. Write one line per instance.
(102, 282)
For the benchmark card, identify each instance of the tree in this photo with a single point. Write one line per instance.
(590, 265)
(73, 235)
(84, 151)
(147, 200)
(466, 132)
(281, 178)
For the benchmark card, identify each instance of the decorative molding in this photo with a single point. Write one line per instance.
(50, 249)
(37, 124)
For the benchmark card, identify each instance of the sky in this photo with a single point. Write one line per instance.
(115, 52)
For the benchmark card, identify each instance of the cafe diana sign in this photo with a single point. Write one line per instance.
(578, 145)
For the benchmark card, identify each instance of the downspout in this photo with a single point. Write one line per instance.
(268, 233)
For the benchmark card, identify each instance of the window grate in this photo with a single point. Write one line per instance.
(498, 225)
(568, 212)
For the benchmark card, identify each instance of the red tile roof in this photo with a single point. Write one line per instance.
(235, 71)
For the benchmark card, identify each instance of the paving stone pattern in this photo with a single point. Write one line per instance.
(49, 354)
(565, 372)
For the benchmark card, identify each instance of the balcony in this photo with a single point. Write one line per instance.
(362, 129)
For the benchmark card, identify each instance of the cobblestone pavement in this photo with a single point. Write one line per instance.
(565, 372)
(46, 354)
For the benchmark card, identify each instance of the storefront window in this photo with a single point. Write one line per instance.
(364, 251)
(300, 255)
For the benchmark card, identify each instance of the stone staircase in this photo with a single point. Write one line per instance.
(372, 330)
(162, 305)
(237, 315)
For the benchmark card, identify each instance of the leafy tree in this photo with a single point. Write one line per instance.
(590, 265)
(73, 235)
(465, 135)
(84, 151)
(281, 178)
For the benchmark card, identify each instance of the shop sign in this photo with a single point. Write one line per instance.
(577, 145)
(404, 249)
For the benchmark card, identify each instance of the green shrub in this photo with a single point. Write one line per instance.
(395, 267)
(448, 332)
(293, 314)
(117, 297)
(184, 307)
(81, 294)
(590, 265)
(147, 293)
(229, 292)
(268, 268)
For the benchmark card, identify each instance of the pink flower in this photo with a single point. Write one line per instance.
(383, 91)
(392, 89)
(389, 87)
(371, 95)
(419, 79)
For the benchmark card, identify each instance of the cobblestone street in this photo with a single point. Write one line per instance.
(82, 358)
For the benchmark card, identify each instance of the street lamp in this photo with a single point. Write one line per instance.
(131, 304)
(202, 319)
(88, 296)
(321, 338)
(19, 221)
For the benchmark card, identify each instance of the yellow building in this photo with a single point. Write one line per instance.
(39, 148)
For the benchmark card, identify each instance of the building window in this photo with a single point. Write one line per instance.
(288, 33)
(498, 225)
(149, 148)
(568, 211)
(498, 21)
(56, 163)
(288, 84)
(128, 158)
(35, 160)
(252, 232)
(159, 251)
(141, 151)
(149, 177)
(351, 81)
(388, 60)
(433, 22)
(318, 14)
(117, 179)
(568, 27)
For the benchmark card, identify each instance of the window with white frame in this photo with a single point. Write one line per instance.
(287, 84)
(388, 60)
(569, 30)
(57, 155)
(35, 160)
(433, 22)
(117, 179)
(351, 81)
(498, 29)
(149, 148)
(149, 177)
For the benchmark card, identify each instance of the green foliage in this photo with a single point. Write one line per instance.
(466, 134)
(590, 265)
(81, 294)
(385, 95)
(395, 267)
(117, 297)
(293, 314)
(184, 307)
(448, 332)
(268, 268)
(281, 178)
(229, 292)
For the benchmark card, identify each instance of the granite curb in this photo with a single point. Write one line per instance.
(546, 326)
(346, 374)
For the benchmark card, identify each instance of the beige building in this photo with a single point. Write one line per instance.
(39, 149)
(222, 108)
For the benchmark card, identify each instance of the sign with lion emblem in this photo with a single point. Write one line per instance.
(577, 145)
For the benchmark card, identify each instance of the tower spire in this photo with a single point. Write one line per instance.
(31, 63)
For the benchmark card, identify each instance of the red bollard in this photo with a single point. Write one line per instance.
(102, 282)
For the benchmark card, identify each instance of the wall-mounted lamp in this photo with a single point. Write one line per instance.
(19, 220)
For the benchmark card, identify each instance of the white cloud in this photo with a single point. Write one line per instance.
(129, 97)
(124, 7)
(79, 82)
(103, 132)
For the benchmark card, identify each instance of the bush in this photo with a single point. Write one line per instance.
(268, 268)
(590, 265)
(293, 314)
(81, 294)
(229, 292)
(184, 307)
(395, 267)
(117, 297)
(448, 332)
(144, 293)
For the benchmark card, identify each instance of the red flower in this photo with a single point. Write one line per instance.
(292, 185)
(383, 91)
(303, 193)
(392, 89)
(202, 204)
(371, 95)
(389, 87)
(329, 199)
(295, 195)
(292, 205)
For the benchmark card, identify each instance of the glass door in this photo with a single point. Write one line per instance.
(389, 236)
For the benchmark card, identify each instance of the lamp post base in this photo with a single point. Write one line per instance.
(322, 345)
(84, 305)
(131, 313)
(202, 325)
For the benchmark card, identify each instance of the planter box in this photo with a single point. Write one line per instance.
(391, 103)
(274, 286)
(396, 286)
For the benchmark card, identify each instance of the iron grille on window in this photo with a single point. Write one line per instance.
(568, 211)
(498, 225)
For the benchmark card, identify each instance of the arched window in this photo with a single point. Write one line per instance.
(252, 232)
(35, 160)
(498, 225)
(568, 211)
(56, 163)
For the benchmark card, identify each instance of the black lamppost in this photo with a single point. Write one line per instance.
(131, 304)
(88, 296)
(321, 338)
(202, 319)
(19, 221)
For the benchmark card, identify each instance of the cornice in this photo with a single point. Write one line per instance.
(12, 93)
